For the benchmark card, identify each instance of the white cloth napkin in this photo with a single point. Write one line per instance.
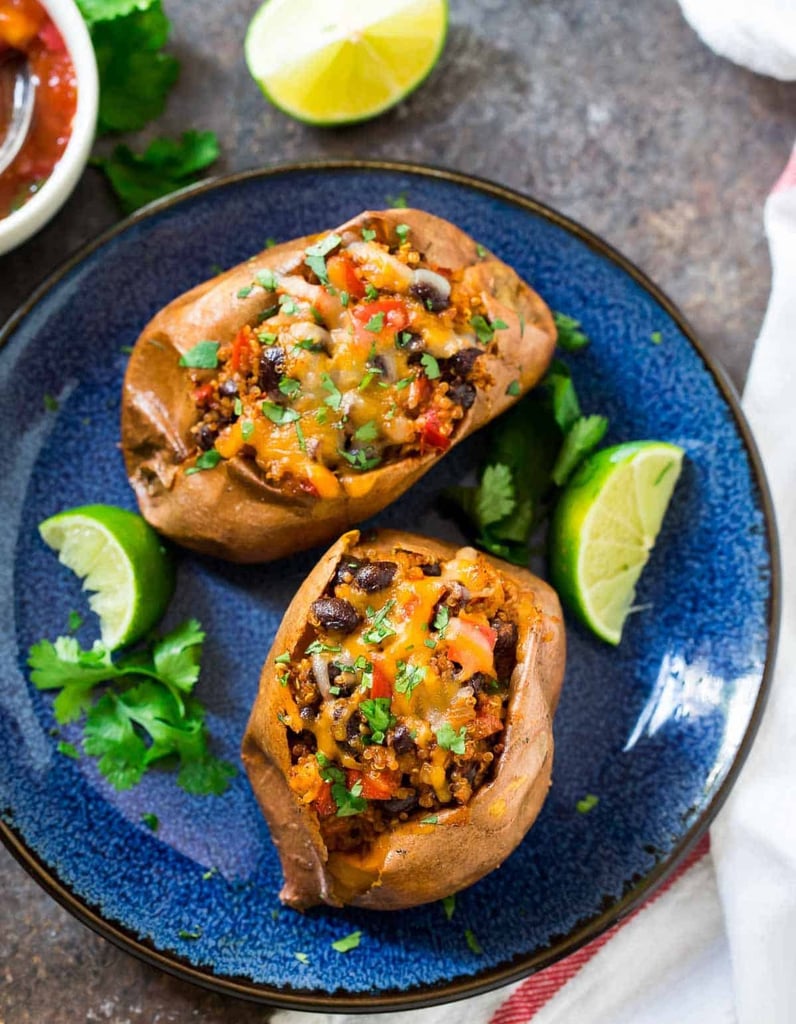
(719, 945)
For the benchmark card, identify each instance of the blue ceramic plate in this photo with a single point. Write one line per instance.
(657, 729)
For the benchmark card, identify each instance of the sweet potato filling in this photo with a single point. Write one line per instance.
(399, 690)
(360, 355)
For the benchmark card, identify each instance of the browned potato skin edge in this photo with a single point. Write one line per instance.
(415, 863)
(230, 511)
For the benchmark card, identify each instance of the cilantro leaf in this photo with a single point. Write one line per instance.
(377, 714)
(582, 438)
(408, 677)
(164, 166)
(430, 366)
(202, 356)
(135, 76)
(146, 715)
(347, 943)
(570, 337)
(207, 460)
(449, 739)
(449, 905)
(315, 256)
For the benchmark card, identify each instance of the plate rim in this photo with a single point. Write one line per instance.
(519, 967)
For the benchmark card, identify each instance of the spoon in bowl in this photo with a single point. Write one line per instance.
(15, 72)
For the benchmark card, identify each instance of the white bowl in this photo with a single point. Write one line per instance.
(26, 221)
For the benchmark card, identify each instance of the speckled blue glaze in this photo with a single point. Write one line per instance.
(652, 728)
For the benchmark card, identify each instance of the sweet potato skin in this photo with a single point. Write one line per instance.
(232, 512)
(414, 863)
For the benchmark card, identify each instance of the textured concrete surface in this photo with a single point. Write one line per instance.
(612, 112)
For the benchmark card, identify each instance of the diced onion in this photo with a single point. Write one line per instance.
(321, 672)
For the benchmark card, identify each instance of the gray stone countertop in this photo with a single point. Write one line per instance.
(613, 113)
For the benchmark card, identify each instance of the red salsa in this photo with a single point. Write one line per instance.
(26, 26)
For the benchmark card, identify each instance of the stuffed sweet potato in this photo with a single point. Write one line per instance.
(401, 742)
(299, 393)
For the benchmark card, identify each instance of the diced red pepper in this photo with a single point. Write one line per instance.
(485, 725)
(344, 277)
(395, 317)
(432, 434)
(241, 351)
(324, 801)
(203, 395)
(470, 644)
(382, 684)
(375, 785)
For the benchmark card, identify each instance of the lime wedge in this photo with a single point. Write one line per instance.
(119, 557)
(337, 61)
(604, 527)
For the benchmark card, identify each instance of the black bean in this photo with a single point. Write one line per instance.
(228, 388)
(345, 570)
(430, 296)
(352, 729)
(432, 569)
(399, 805)
(379, 363)
(271, 370)
(505, 651)
(402, 742)
(462, 393)
(334, 671)
(307, 714)
(373, 576)
(334, 614)
(461, 364)
(481, 681)
(205, 436)
(410, 341)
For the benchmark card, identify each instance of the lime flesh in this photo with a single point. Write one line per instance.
(333, 62)
(122, 560)
(605, 526)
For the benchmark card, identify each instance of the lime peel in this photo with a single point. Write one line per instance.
(122, 560)
(605, 526)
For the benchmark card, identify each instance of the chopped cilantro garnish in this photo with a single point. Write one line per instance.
(449, 739)
(347, 943)
(399, 202)
(480, 251)
(371, 293)
(369, 377)
(302, 958)
(289, 387)
(279, 414)
(403, 338)
(367, 432)
(151, 821)
(376, 323)
(302, 441)
(321, 415)
(402, 231)
(656, 337)
(202, 356)
(377, 714)
(207, 460)
(210, 873)
(368, 234)
(244, 293)
(485, 330)
(570, 336)
(432, 819)
(319, 647)
(335, 395)
(408, 677)
(380, 626)
(267, 279)
(147, 711)
(68, 750)
(472, 942)
(308, 344)
(513, 389)
(348, 801)
(449, 905)
(345, 298)
(50, 403)
(404, 382)
(430, 643)
(587, 803)
(75, 621)
(195, 934)
(237, 407)
(430, 366)
(316, 256)
(442, 618)
(126, 350)
(270, 242)
(288, 305)
(282, 659)
(360, 459)
(247, 430)
(267, 337)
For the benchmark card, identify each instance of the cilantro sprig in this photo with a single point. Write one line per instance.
(533, 450)
(145, 714)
